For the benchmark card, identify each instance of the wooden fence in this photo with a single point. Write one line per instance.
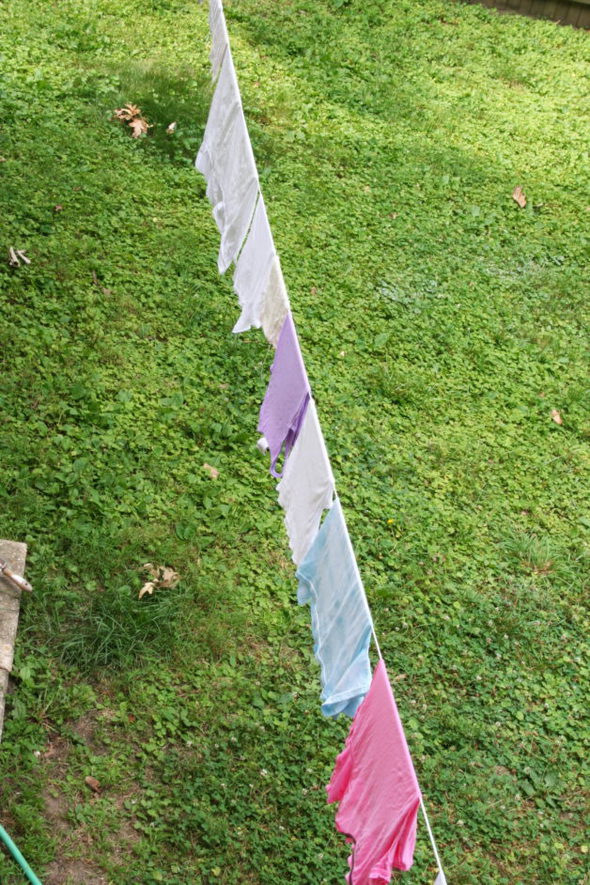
(566, 12)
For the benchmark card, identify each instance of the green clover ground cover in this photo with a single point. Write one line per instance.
(441, 326)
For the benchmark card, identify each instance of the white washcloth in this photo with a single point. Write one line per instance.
(219, 36)
(307, 486)
(258, 280)
(275, 303)
(252, 273)
(226, 160)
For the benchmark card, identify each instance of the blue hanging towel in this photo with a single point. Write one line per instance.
(340, 619)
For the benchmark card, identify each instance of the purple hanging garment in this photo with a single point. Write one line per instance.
(287, 395)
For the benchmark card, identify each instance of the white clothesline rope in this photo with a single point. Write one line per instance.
(441, 879)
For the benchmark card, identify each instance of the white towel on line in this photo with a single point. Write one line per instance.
(252, 272)
(307, 486)
(275, 303)
(258, 280)
(226, 160)
(219, 36)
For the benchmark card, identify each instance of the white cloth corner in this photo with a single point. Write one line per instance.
(307, 486)
(440, 879)
(219, 37)
(253, 267)
(226, 160)
(275, 303)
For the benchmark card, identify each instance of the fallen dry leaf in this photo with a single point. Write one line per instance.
(92, 783)
(556, 416)
(172, 128)
(147, 588)
(139, 127)
(127, 112)
(168, 577)
(131, 114)
(519, 196)
(160, 576)
(212, 471)
(58, 207)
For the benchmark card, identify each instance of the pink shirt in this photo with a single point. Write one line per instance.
(375, 783)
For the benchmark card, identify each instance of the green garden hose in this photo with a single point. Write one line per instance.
(18, 857)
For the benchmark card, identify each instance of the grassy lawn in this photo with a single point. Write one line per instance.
(442, 326)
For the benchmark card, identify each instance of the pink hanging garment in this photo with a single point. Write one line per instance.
(287, 396)
(375, 783)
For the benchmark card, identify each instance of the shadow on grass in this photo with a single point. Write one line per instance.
(166, 95)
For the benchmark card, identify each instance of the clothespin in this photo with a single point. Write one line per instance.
(14, 579)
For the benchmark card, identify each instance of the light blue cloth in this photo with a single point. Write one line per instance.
(340, 620)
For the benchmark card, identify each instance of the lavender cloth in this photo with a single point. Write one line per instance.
(287, 396)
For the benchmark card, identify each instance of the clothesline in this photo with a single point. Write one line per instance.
(239, 211)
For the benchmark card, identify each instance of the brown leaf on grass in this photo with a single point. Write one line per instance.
(139, 127)
(160, 576)
(147, 588)
(127, 113)
(92, 783)
(131, 114)
(519, 196)
(168, 577)
(556, 416)
(212, 471)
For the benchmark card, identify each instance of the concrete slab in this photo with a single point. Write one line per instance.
(15, 555)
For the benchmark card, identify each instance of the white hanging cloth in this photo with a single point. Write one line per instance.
(219, 37)
(307, 487)
(275, 303)
(258, 280)
(226, 160)
(252, 271)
